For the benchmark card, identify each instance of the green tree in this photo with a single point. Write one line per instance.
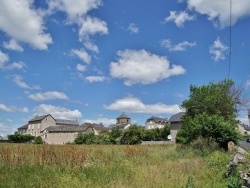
(82, 138)
(132, 135)
(20, 138)
(38, 140)
(210, 112)
(115, 135)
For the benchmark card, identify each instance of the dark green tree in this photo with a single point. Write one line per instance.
(210, 112)
(20, 138)
(115, 135)
(132, 135)
(38, 140)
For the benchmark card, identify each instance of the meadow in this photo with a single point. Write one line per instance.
(28, 165)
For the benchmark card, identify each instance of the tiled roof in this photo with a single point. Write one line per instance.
(65, 128)
(23, 127)
(158, 120)
(67, 122)
(123, 116)
(176, 117)
(120, 125)
(39, 118)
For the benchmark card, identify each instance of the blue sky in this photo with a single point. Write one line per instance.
(91, 60)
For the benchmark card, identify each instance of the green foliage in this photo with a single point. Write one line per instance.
(20, 138)
(115, 135)
(212, 99)
(132, 135)
(82, 138)
(156, 134)
(38, 140)
(211, 127)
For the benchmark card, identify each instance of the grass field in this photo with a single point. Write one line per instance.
(27, 165)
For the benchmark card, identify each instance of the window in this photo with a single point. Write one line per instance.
(38, 126)
(29, 126)
(32, 126)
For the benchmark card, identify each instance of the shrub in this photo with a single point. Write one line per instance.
(38, 140)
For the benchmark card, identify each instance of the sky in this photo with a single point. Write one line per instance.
(92, 60)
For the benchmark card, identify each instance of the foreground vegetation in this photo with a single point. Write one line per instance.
(28, 165)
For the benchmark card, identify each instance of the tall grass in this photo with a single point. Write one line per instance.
(115, 166)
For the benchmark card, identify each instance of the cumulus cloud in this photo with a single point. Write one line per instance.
(16, 65)
(135, 105)
(6, 130)
(57, 111)
(3, 107)
(182, 46)
(92, 79)
(218, 50)
(3, 58)
(219, 11)
(13, 45)
(133, 28)
(18, 80)
(50, 95)
(179, 18)
(82, 55)
(142, 67)
(22, 22)
(91, 46)
(80, 67)
(73, 9)
(92, 26)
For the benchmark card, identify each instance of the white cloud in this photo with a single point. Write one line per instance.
(50, 95)
(218, 50)
(82, 55)
(182, 46)
(3, 107)
(16, 65)
(3, 58)
(247, 84)
(179, 95)
(22, 22)
(6, 130)
(92, 26)
(91, 46)
(133, 28)
(57, 112)
(219, 11)
(135, 105)
(142, 67)
(179, 18)
(104, 121)
(18, 80)
(12, 45)
(80, 67)
(74, 9)
(92, 79)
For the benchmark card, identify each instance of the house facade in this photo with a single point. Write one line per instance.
(156, 122)
(175, 124)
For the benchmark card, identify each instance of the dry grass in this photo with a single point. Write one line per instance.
(29, 165)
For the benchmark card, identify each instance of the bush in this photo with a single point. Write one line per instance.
(38, 140)
(210, 127)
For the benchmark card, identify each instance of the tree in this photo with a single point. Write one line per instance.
(82, 138)
(115, 135)
(20, 138)
(132, 135)
(213, 99)
(210, 112)
(38, 140)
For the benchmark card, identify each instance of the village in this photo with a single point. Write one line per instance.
(62, 131)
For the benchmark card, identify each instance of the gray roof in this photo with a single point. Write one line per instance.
(123, 116)
(39, 118)
(119, 125)
(23, 127)
(176, 117)
(67, 122)
(246, 127)
(66, 128)
(158, 120)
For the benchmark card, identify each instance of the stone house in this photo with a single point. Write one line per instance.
(175, 124)
(122, 122)
(156, 122)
